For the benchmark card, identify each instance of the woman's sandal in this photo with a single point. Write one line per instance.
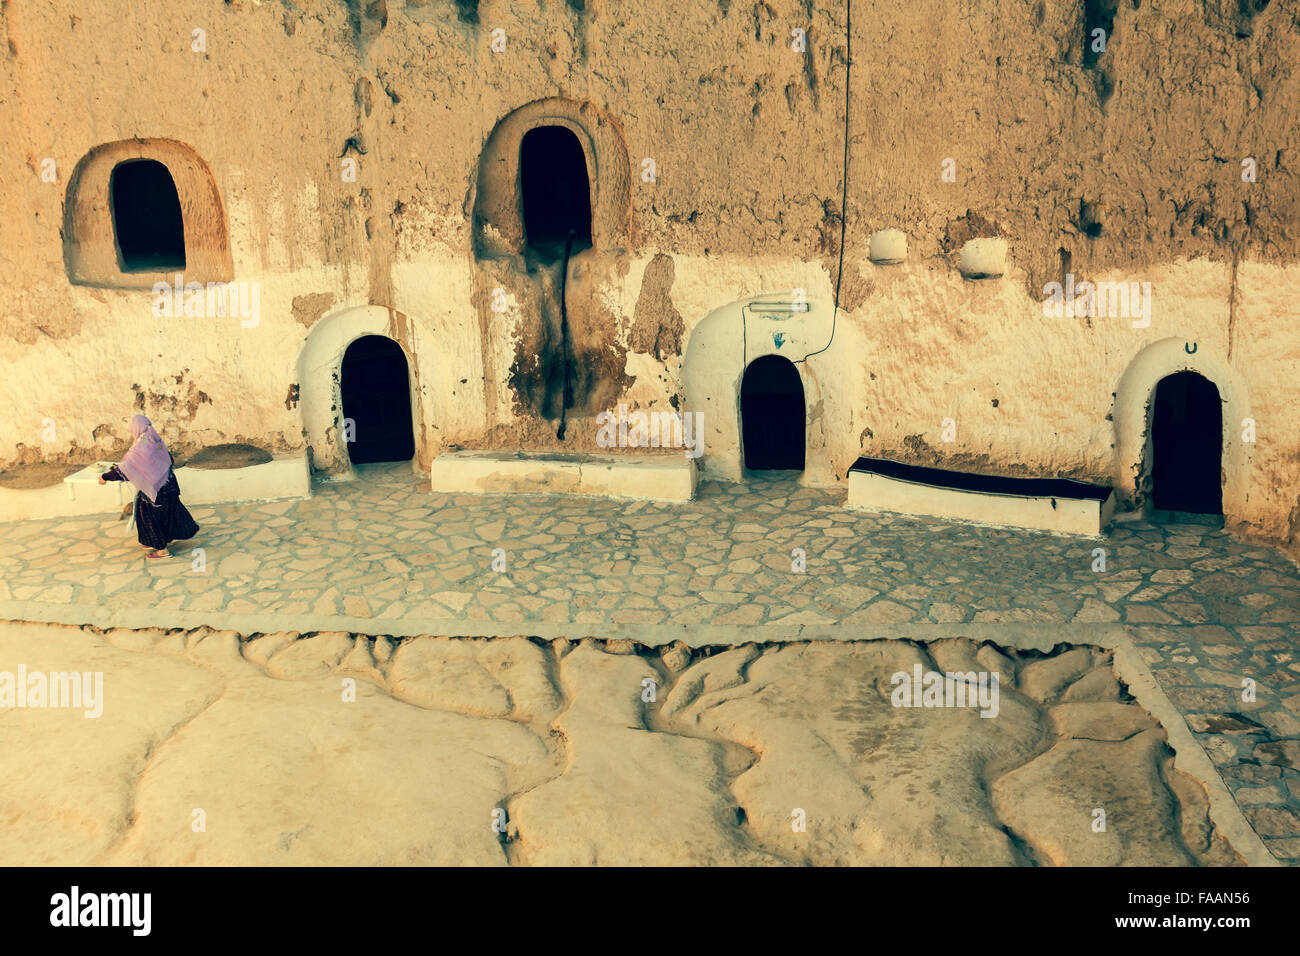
(157, 555)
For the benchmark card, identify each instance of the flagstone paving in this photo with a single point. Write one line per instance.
(763, 561)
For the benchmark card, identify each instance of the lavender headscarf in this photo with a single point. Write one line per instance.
(148, 462)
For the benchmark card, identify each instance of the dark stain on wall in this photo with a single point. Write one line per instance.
(957, 232)
(583, 371)
(916, 451)
(182, 406)
(467, 10)
(308, 308)
(657, 326)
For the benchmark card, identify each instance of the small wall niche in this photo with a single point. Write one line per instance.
(983, 258)
(888, 247)
(1090, 219)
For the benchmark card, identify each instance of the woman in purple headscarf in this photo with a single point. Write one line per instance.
(160, 518)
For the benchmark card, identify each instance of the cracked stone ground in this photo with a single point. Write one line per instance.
(256, 741)
(380, 556)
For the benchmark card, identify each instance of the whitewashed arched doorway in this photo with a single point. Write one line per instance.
(719, 351)
(1134, 413)
(319, 376)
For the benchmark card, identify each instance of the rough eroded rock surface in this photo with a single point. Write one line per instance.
(334, 749)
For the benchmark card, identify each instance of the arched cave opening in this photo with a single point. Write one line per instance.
(554, 191)
(772, 415)
(374, 380)
(1187, 445)
(147, 221)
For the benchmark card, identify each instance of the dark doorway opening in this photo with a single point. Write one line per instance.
(772, 415)
(377, 398)
(147, 219)
(1187, 445)
(555, 193)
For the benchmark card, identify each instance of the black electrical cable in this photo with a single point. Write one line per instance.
(566, 396)
(844, 178)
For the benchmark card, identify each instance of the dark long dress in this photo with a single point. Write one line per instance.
(157, 525)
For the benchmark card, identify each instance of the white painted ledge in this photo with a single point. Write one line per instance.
(81, 493)
(656, 477)
(1072, 516)
(278, 478)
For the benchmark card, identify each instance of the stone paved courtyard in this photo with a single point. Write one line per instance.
(381, 556)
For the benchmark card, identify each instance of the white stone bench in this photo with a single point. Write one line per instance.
(656, 476)
(277, 478)
(1060, 505)
(81, 493)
